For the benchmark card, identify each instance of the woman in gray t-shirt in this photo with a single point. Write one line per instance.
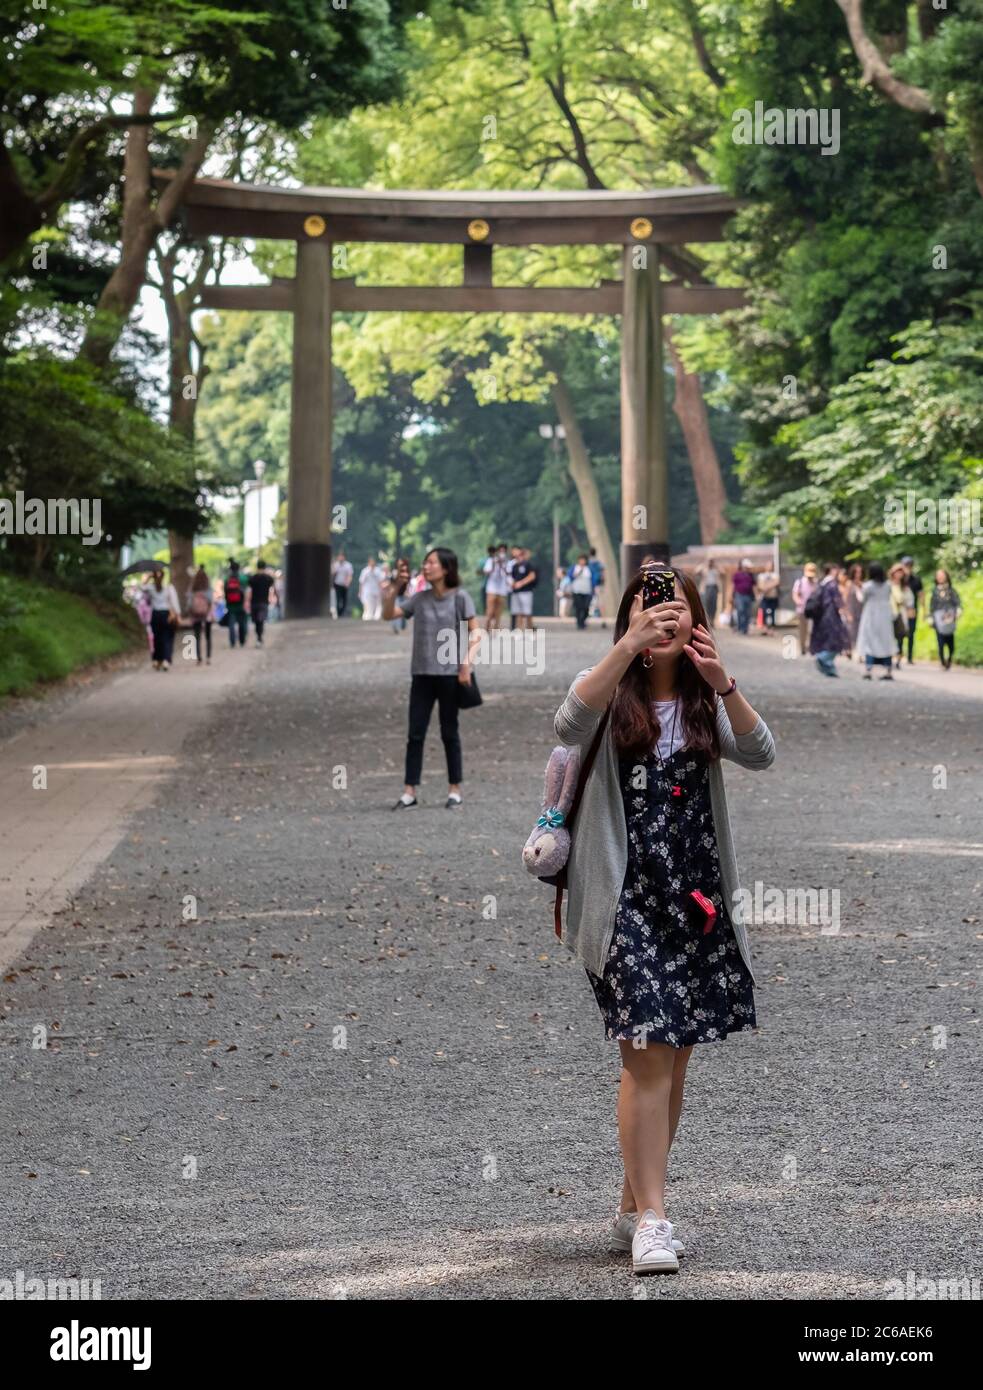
(437, 664)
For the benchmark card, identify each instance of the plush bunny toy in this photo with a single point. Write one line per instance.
(546, 850)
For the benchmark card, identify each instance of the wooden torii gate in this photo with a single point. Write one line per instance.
(647, 224)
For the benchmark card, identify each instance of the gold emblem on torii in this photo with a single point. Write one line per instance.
(315, 225)
(640, 228)
(478, 229)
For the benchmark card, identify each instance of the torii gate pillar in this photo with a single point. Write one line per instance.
(644, 452)
(308, 550)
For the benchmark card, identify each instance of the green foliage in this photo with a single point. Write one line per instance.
(70, 435)
(244, 408)
(912, 422)
(48, 633)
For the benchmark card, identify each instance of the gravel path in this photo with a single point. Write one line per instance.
(366, 1068)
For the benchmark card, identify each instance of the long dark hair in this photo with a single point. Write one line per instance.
(634, 726)
(448, 561)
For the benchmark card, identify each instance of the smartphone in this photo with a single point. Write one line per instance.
(658, 586)
(702, 911)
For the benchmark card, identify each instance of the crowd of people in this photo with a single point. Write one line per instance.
(233, 602)
(861, 613)
(509, 576)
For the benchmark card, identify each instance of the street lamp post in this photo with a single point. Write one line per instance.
(554, 433)
(259, 468)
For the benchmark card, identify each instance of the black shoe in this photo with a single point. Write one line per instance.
(888, 677)
(402, 805)
(452, 801)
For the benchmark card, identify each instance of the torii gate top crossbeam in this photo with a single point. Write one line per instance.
(224, 207)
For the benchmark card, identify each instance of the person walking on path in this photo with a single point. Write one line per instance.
(202, 612)
(668, 970)
(440, 610)
(165, 614)
(370, 591)
(902, 605)
(851, 594)
(598, 575)
(144, 612)
(768, 592)
(802, 591)
(710, 591)
(261, 585)
(945, 611)
(342, 574)
(398, 625)
(497, 586)
(875, 632)
(234, 589)
(829, 636)
(742, 585)
(524, 576)
(564, 598)
(581, 578)
(917, 608)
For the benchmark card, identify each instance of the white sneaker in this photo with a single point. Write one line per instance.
(624, 1229)
(651, 1246)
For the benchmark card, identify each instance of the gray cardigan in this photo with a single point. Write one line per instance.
(599, 851)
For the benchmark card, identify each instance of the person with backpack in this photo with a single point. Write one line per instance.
(439, 665)
(944, 612)
(598, 573)
(654, 907)
(235, 604)
(202, 612)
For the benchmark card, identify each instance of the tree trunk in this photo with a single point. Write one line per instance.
(21, 214)
(579, 464)
(691, 412)
(184, 385)
(143, 221)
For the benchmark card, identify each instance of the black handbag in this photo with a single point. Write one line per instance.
(468, 696)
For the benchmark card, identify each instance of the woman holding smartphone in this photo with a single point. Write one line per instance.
(654, 898)
(439, 609)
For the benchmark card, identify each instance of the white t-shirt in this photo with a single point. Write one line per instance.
(582, 581)
(370, 580)
(164, 599)
(498, 575)
(343, 572)
(671, 738)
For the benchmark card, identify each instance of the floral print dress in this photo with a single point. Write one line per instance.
(665, 978)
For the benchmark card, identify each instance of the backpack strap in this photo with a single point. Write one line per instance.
(585, 771)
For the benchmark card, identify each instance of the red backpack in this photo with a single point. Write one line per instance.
(233, 590)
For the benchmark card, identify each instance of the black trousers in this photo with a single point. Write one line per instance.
(581, 607)
(163, 634)
(340, 598)
(912, 624)
(424, 690)
(947, 642)
(205, 623)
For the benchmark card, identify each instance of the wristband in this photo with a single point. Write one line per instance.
(730, 689)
